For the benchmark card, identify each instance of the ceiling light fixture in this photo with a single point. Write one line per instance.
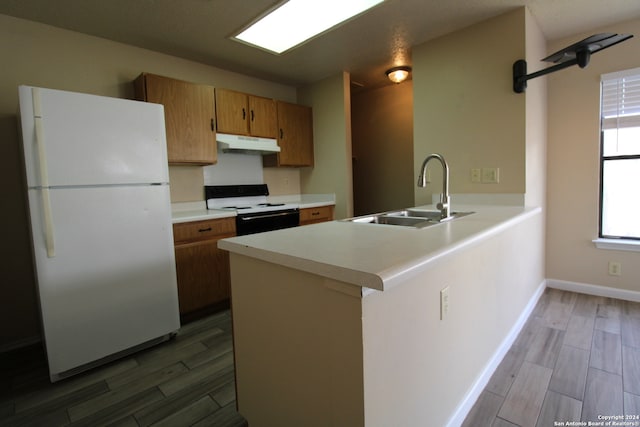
(296, 21)
(398, 74)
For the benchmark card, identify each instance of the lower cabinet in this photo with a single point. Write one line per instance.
(315, 215)
(202, 269)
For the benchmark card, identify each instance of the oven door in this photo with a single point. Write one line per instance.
(250, 223)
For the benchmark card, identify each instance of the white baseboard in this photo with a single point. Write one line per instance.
(601, 291)
(472, 396)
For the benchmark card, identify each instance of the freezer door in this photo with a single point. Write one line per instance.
(112, 284)
(78, 139)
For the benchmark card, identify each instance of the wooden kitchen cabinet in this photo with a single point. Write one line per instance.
(189, 117)
(204, 282)
(295, 136)
(242, 114)
(315, 215)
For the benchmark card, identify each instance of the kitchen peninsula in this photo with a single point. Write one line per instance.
(341, 323)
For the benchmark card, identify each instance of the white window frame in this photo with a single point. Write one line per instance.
(613, 102)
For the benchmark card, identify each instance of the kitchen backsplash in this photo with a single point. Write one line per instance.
(187, 182)
(234, 168)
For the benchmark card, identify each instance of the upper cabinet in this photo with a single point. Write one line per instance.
(189, 117)
(242, 114)
(295, 136)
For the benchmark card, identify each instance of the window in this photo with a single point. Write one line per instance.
(620, 155)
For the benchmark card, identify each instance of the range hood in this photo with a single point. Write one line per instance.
(246, 144)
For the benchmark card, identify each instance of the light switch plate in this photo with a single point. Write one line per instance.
(490, 175)
(476, 175)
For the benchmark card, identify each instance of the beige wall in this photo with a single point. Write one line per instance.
(465, 108)
(382, 125)
(41, 55)
(331, 100)
(573, 166)
(536, 117)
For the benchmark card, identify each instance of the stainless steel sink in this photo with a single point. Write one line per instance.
(415, 218)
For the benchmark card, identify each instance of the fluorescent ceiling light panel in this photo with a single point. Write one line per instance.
(299, 20)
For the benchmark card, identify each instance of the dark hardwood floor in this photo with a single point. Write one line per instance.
(577, 358)
(187, 381)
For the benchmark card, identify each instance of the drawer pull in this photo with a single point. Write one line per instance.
(202, 230)
(315, 213)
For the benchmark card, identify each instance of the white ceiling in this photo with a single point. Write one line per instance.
(366, 46)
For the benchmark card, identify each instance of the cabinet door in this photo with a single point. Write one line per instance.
(295, 135)
(203, 275)
(232, 112)
(316, 215)
(189, 113)
(262, 117)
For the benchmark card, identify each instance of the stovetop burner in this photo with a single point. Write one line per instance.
(243, 199)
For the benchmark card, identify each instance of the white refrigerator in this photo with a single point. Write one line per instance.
(100, 214)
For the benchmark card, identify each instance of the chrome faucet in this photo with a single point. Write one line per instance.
(445, 205)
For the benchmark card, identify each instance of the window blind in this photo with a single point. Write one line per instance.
(620, 99)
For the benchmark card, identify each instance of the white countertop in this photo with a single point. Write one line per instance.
(197, 211)
(373, 255)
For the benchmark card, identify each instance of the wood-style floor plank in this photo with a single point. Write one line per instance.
(524, 400)
(557, 315)
(197, 375)
(606, 353)
(157, 411)
(630, 327)
(227, 417)
(484, 411)
(499, 422)
(585, 305)
(601, 335)
(570, 373)
(113, 397)
(558, 407)
(608, 318)
(631, 369)
(505, 374)
(545, 347)
(191, 414)
(631, 404)
(579, 332)
(126, 392)
(603, 395)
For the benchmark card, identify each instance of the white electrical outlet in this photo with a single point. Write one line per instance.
(615, 268)
(444, 303)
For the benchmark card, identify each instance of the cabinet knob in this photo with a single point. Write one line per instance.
(281, 133)
(202, 230)
(244, 114)
(213, 126)
(252, 115)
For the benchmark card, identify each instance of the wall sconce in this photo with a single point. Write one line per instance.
(398, 74)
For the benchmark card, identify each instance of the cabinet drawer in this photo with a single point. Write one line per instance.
(203, 230)
(320, 214)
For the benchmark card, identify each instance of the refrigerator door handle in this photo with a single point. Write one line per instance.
(44, 175)
(48, 223)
